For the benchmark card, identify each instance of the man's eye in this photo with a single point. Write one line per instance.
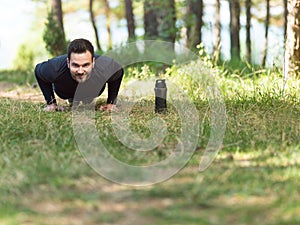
(84, 65)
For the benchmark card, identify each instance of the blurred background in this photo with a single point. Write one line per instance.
(23, 26)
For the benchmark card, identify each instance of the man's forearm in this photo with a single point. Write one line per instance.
(48, 93)
(114, 84)
(46, 88)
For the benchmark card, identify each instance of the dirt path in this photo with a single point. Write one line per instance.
(23, 93)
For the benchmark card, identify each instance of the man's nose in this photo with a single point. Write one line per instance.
(80, 69)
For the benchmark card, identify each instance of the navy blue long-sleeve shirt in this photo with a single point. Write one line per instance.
(54, 76)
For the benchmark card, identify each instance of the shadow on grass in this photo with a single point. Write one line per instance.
(254, 179)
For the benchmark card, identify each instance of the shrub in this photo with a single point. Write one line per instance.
(54, 37)
(24, 60)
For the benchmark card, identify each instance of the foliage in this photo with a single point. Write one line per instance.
(160, 20)
(25, 58)
(23, 66)
(194, 77)
(117, 10)
(19, 77)
(144, 71)
(54, 37)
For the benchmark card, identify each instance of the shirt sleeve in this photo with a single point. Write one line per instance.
(47, 73)
(45, 85)
(114, 84)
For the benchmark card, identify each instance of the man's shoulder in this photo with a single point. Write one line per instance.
(105, 66)
(53, 67)
(103, 59)
(59, 60)
(102, 62)
(55, 62)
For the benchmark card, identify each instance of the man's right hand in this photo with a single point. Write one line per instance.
(53, 107)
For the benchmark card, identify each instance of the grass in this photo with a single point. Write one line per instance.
(254, 179)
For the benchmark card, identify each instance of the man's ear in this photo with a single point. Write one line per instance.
(93, 62)
(68, 62)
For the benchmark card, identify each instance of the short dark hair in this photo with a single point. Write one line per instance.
(80, 46)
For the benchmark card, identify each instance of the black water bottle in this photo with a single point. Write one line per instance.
(160, 96)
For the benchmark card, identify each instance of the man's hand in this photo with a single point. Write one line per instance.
(107, 107)
(53, 107)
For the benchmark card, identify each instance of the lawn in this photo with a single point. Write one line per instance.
(255, 178)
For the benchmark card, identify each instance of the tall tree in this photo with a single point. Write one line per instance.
(92, 16)
(285, 15)
(130, 19)
(160, 19)
(108, 22)
(56, 7)
(167, 20)
(234, 6)
(194, 22)
(217, 46)
(150, 19)
(292, 45)
(54, 35)
(267, 22)
(248, 30)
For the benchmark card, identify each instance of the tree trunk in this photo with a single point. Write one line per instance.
(150, 19)
(56, 7)
(166, 16)
(194, 22)
(292, 45)
(285, 17)
(267, 22)
(248, 30)
(199, 23)
(217, 46)
(234, 29)
(130, 19)
(160, 20)
(92, 16)
(108, 22)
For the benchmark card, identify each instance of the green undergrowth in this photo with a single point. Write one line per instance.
(254, 179)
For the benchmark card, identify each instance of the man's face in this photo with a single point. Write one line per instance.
(81, 65)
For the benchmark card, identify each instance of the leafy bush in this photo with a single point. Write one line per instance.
(18, 76)
(24, 60)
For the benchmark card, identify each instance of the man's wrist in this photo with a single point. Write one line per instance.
(111, 101)
(52, 101)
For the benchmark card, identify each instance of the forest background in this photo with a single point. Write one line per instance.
(260, 37)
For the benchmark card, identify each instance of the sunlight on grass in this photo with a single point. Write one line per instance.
(255, 179)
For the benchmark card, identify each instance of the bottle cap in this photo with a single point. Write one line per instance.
(160, 83)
